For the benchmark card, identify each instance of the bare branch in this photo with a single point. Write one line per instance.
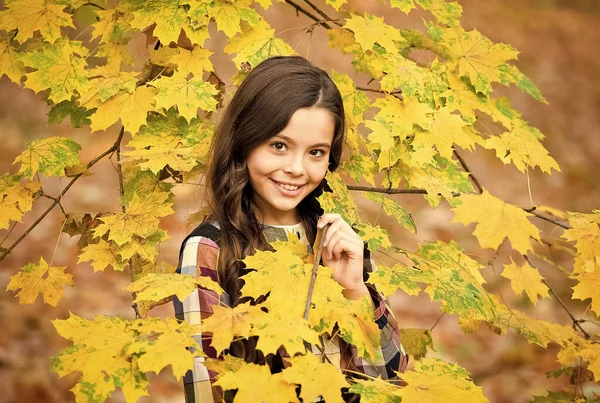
(308, 14)
(322, 13)
(466, 168)
(65, 190)
(388, 191)
(576, 322)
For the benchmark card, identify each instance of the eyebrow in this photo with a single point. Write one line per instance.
(286, 138)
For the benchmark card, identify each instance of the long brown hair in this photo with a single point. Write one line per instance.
(260, 109)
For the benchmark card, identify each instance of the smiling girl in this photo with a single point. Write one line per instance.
(282, 131)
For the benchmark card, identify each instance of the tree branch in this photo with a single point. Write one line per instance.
(466, 168)
(56, 200)
(322, 13)
(385, 190)
(576, 322)
(308, 14)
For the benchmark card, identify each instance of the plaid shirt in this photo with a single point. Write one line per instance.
(199, 256)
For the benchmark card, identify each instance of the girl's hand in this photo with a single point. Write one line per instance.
(343, 251)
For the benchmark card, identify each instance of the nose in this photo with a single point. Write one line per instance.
(295, 165)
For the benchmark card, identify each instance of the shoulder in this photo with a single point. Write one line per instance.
(200, 249)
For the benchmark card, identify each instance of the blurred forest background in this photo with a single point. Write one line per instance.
(558, 41)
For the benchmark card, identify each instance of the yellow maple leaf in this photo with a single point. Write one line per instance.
(60, 67)
(256, 43)
(376, 390)
(375, 236)
(186, 61)
(586, 349)
(48, 156)
(370, 29)
(536, 331)
(525, 279)
(394, 209)
(141, 218)
(169, 16)
(29, 16)
(291, 333)
(255, 383)
(170, 348)
(343, 40)
(225, 323)
(229, 16)
(445, 382)
(416, 342)
(110, 352)
(16, 198)
(445, 131)
(10, 61)
(102, 255)
(187, 93)
(145, 248)
(587, 242)
(448, 12)
(357, 327)
(588, 286)
(112, 23)
(523, 148)
(316, 378)
(496, 220)
(355, 101)
(106, 81)
(131, 108)
(337, 4)
(158, 287)
(39, 278)
(98, 353)
(390, 279)
(462, 97)
(477, 57)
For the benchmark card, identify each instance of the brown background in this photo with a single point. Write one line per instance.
(558, 41)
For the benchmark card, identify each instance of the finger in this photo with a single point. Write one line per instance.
(350, 244)
(328, 218)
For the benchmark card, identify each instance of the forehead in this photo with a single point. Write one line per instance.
(309, 126)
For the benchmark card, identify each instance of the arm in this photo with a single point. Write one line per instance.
(198, 257)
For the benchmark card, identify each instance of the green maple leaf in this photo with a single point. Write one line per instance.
(49, 156)
(187, 93)
(59, 67)
(79, 115)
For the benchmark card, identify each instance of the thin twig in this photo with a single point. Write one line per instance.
(576, 322)
(308, 14)
(366, 89)
(313, 278)
(321, 13)
(437, 321)
(124, 210)
(56, 201)
(550, 220)
(388, 191)
(466, 168)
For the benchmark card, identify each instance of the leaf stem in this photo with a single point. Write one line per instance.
(56, 201)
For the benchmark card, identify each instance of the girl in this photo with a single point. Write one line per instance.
(282, 131)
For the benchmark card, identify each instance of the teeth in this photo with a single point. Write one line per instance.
(288, 187)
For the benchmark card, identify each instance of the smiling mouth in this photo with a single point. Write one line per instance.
(287, 187)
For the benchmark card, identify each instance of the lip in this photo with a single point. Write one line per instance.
(285, 192)
(288, 183)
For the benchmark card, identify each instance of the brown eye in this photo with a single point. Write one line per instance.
(279, 146)
(317, 153)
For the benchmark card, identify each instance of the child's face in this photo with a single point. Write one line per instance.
(298, 156)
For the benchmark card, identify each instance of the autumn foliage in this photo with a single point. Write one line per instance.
(422, 117)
